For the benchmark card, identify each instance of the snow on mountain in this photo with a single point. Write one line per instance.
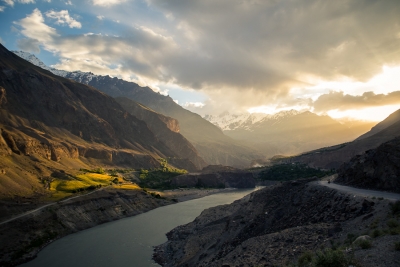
(247, 121)
(82, 77)
(35, 61)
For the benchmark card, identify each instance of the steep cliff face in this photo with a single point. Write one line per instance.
(266, 228)
(23, 238)
(375, 169)
(167, 130)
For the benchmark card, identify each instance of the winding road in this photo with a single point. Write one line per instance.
(48, 205)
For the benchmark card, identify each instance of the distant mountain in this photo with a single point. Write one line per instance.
(49, 123)
(335, 156)
(392, 119)
(213, 146)
(286, 132)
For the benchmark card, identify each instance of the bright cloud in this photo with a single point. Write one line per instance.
(194, 104)
(107, 2)
(63, 17)
(33, 27)
(11, 2)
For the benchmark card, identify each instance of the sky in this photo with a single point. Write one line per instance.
(340, 58)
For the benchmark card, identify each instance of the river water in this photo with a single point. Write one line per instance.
(130, 241)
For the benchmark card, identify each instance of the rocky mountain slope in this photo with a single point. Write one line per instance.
(167, 130)
(273, 227)
(213, 146)
(288, 132)
(335, 156)
(375, 169)
(50, 123)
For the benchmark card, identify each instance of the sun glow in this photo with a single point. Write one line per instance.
(368, 114)
(383, 83)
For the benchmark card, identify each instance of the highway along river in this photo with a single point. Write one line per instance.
(130, 241)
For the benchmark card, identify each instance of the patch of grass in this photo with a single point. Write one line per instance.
(127, 186)
(332, 258)
(81, 182)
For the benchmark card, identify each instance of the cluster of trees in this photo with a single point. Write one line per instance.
(159, 178)
(287, 172)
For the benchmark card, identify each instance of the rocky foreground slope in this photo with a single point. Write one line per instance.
(273, 227)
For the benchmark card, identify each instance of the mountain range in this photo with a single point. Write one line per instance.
(211, 143)
(50, 124)
(288, 132)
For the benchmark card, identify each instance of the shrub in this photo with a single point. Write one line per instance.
(332, 258)
(395, 207)
(397, 246)
(365, 244)
(377, 233)
(392, 223)
(305, 259)
(350, 238)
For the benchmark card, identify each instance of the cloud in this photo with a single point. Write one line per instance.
(2, 8)
(271, 46)
(33, 27)
(107, 2)
(29, 45)
(194, 104)
(11, 2)
(2, 41)
(99, 17)
(340, 101)
(63, 17)
(241, 53)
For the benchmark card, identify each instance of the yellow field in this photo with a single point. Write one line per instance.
(81, 181)
(128, 186)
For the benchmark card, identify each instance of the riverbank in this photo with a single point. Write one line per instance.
(22, 239)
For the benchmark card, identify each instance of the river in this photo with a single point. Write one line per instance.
(130, 241)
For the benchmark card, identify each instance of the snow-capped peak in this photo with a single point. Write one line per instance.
(245, 121)
(35, 61)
